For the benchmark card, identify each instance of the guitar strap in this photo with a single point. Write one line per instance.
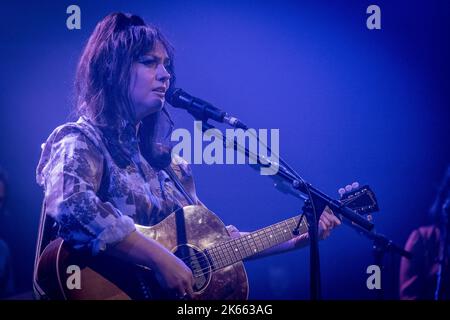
(179, 185)
(43, 236)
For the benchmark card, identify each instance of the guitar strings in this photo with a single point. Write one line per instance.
(219, 246)
(221, 259)
(202, 256)
(223, 244)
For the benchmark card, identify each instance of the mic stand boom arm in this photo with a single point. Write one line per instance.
(305, 189)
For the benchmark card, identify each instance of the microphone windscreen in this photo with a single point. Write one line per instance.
(171, 95)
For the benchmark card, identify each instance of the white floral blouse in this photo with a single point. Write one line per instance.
(97, 184)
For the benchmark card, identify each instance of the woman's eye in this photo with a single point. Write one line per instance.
(149, 62)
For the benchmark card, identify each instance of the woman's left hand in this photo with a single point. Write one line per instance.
(327, 222)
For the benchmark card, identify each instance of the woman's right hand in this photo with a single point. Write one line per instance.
(172, 273)
(175, 276)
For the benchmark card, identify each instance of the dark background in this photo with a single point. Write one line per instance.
(350, 103)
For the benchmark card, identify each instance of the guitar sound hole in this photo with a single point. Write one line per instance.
(199, 264)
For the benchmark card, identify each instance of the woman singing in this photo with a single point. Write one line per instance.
(112, 168)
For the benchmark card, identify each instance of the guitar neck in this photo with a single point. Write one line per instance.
(231, 251)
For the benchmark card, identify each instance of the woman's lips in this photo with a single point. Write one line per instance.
(159, 93)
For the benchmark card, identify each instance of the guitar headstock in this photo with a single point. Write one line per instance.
(360, 199)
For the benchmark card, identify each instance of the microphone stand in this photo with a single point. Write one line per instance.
(314, 256)
(316, 200)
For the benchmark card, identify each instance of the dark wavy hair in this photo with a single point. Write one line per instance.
(103, 78)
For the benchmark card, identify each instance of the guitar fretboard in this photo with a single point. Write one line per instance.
(232, 251)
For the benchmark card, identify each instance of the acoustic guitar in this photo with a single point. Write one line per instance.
(194, 234)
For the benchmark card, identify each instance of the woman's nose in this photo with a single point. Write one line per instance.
(162, 74)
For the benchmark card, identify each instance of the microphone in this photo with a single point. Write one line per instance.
(200, 109)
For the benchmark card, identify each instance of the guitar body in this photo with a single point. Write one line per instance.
(186, 232)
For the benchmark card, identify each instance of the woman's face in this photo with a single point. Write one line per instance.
(149, 81)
